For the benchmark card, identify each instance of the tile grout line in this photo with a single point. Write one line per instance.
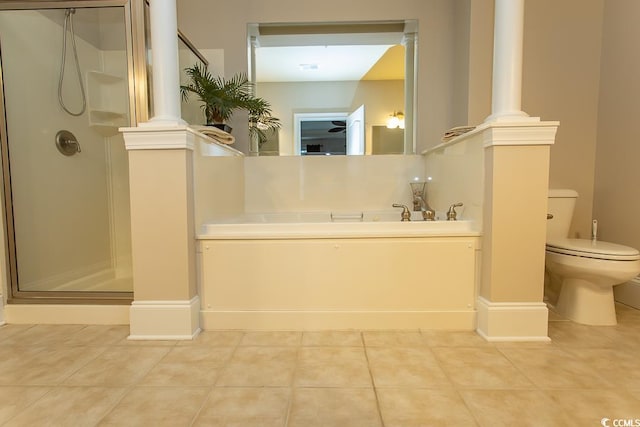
(373, 384)
(212, 387)
(128, 387)
(293, 379)
(455, 386)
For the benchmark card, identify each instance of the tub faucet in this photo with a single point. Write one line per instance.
(428, 214)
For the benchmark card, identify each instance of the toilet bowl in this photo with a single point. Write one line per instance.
(587, 269)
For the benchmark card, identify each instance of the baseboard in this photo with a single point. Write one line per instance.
(512, 321)
(628, 293)
(334, 320)
(70, 314)
(165, 320)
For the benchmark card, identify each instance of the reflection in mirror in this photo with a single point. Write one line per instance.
(385, 140)
(320, 133)
(336, 68)
(188, 56)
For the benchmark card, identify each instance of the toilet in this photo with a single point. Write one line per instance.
(588, 270)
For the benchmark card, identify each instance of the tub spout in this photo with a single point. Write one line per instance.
(428, 214)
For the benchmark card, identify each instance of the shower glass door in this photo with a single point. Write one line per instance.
(65, 76)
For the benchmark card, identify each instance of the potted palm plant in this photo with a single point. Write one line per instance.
(221, 97)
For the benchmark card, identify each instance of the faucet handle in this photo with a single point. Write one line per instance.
(406, 213)
(452, 214)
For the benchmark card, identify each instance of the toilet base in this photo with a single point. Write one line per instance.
(586, 303)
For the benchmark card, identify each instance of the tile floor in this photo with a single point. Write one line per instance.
(79, 375)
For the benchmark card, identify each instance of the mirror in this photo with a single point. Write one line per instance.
(335, 87)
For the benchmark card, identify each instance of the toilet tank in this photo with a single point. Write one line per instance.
(560, 204)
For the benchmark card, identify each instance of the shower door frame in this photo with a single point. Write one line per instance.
(136, 71)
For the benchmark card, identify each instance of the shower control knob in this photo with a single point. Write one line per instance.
(67, 143)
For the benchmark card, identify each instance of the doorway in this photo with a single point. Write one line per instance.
(329, 133)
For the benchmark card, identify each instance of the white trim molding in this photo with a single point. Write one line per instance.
(165, 320)
(628, 293)
(159, 138)
(342, 320)
(519, 133)
(512, 321)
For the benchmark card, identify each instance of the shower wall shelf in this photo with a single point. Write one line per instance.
(107, 102)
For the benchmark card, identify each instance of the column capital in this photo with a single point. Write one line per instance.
(159, 138)
(519, 133)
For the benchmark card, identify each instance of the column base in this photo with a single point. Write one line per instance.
(511, 117)
(164, 320)
(512, 321)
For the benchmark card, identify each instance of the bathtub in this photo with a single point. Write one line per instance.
(340, 270)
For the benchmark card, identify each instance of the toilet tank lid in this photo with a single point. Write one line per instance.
(562, 193)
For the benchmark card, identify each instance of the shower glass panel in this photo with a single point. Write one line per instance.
(66, 193)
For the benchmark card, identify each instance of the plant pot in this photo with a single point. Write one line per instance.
(222, 126)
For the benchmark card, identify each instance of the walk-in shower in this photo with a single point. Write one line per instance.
(66, 83)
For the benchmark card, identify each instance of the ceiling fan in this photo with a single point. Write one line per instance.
(340, 126)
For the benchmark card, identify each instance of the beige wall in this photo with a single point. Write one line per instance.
(617, 198)
(560, 82)
(480, 60)
(223, 24)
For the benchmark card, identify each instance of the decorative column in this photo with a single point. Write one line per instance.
(507, 62)
(166, 303)
(164, 57)
(254, 143)
(516, 177)
(409, 41)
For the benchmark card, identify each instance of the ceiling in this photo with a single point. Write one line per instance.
(303, 53)
(318, 63)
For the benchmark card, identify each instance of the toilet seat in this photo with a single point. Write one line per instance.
(593, 249)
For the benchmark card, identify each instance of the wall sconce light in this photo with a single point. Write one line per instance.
(396, 120)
